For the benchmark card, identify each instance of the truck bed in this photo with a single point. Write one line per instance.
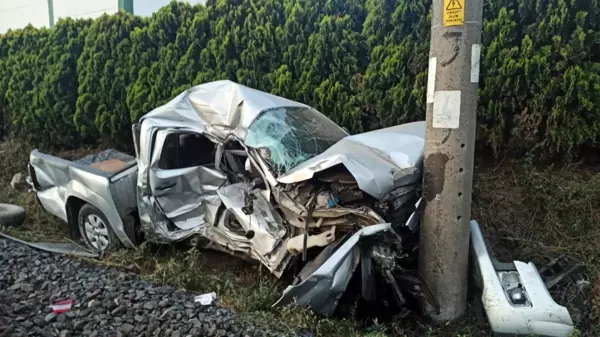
(110, 161)
(106, 180)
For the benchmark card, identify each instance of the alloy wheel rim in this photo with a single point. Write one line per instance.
(96, 232)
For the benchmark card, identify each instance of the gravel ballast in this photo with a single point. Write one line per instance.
(107, 302)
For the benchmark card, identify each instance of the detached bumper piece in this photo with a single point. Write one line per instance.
(514, 296)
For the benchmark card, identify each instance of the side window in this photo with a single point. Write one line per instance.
(182, 150)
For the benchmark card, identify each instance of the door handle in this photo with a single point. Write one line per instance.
(164, 187)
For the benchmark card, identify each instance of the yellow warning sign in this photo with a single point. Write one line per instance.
(454, 12)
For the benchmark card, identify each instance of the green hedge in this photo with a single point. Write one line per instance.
(361, 62)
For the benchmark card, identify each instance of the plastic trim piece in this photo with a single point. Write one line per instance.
(542, 317)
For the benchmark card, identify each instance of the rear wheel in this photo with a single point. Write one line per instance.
(95, 229)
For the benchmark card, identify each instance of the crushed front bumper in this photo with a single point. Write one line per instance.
(514, 296)
(322, 289)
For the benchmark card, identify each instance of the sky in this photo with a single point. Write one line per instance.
(147, 7)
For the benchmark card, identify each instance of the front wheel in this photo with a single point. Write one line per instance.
(95, 229)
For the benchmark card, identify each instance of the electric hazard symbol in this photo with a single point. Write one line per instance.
(454, 12)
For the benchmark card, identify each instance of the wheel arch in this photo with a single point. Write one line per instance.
(73, 206)
(115, 221)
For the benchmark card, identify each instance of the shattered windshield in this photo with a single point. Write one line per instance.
(292, 135)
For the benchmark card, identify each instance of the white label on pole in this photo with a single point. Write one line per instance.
(431, 79)
(475, 62)
(446, 109)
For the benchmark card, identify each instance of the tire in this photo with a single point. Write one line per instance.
(95, 230)
(11, 215)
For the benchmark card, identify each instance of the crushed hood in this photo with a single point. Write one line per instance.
(379, 160)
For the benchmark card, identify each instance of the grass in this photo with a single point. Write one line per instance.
(528, 213)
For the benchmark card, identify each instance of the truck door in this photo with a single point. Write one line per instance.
(182, 177)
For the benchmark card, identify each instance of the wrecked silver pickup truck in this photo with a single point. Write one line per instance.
(231, 168)
(244, 171)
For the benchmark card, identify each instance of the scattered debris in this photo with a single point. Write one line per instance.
(16, 180)
(50, 317)
(558, 269)
(106, 155)
(206, 299)
(56, 247)
(62, 306)
(514, 296)
(581, 284)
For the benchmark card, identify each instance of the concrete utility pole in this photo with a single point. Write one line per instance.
(453, 81)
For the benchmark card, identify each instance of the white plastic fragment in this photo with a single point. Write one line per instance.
(16, 180)
(206, 299)
(581, 284)
(532, 312)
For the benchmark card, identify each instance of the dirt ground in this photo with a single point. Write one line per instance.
(529, 213)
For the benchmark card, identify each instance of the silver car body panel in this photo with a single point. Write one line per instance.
(322, 289)
(68, 248)
(537, 313)
(260, 235)
(191, 198)
(219, 110)
(60, 179)
(265, 224)
(379, 160)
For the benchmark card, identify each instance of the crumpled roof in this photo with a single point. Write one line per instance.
(224, 104)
